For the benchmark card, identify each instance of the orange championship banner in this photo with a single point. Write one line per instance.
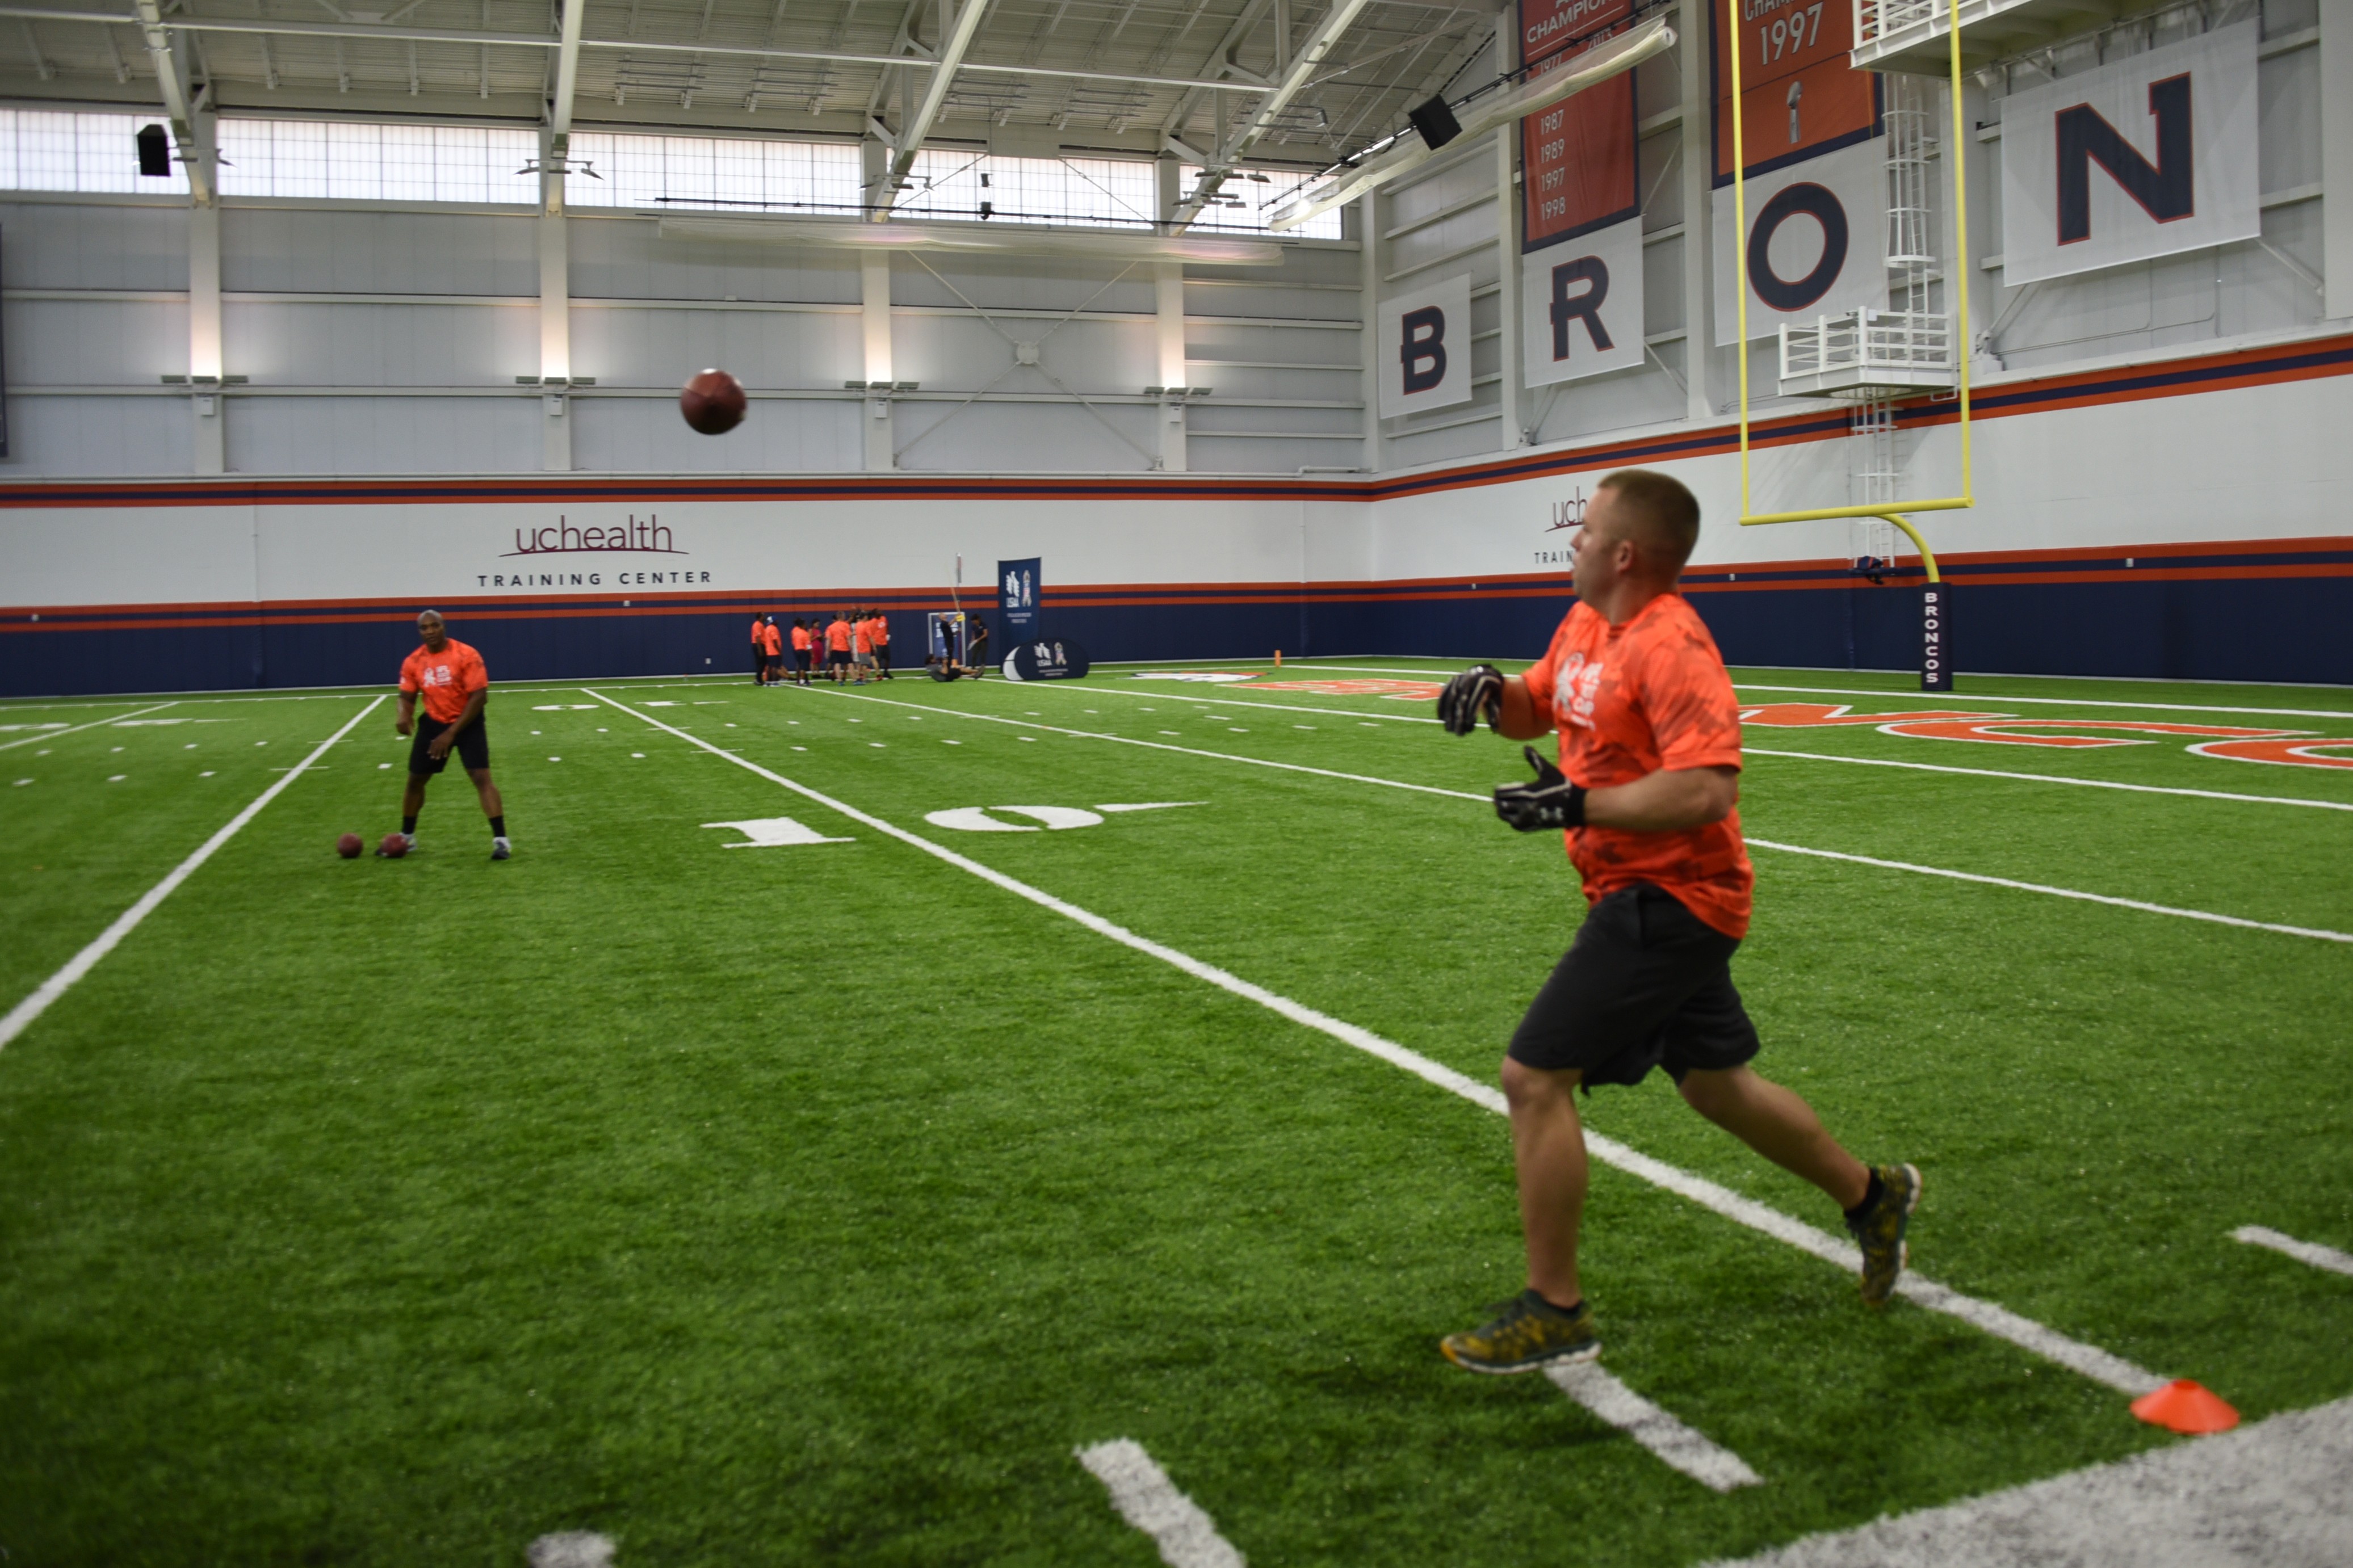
(1799, 94)
(1578, 156)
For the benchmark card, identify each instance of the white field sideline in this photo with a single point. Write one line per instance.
(1745, 750)
(21, 1016)
(2090, 1361)
(1145, 1498)
(2271, 1494)
(2142, 906)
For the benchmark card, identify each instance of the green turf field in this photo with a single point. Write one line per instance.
(815, 1202)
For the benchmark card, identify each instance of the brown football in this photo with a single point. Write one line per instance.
(349, 846)
(712, 402)
(393, 848)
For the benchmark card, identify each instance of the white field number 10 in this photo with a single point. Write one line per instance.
(1799, 28)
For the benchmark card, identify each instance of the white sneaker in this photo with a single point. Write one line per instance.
(500, 850)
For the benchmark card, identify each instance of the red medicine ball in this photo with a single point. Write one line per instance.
(713, 403)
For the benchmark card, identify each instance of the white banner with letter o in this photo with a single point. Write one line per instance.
(1581, 305)
(1424, 355)
(2151, 155)
(1816, 241)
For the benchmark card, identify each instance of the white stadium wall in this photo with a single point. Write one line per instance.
(2160, 476)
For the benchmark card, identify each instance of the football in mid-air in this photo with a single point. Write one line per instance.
(393, 848)
(712, 402)
(349, 846)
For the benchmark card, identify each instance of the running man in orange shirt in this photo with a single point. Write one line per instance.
(759, 654)
(449, 676)
(1649, 770)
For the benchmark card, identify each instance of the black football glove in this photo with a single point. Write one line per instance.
(1549, 800)
(1476, 693)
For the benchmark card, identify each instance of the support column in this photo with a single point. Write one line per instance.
(1699, 191)
(204, 356)
(2337, 158)
(1507, 273)
(555, 341)
(874, 280)
(1369, 333)
(1168, 299)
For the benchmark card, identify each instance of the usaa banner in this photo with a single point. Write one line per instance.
(1581, 305)
(1578, 155)
(1816, 181)
(2150, 155)
(1425, 348)
(1017, 597)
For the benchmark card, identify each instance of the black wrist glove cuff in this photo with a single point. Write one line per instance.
(1547, 801)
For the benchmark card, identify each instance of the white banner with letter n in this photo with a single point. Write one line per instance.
(1424, 354)
(1581, 305)
(2148, 156)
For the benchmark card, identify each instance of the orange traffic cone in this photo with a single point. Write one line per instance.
(2187, 1407)
(1278, 658)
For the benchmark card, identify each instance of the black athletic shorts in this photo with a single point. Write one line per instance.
(473, 747)
(838, 657)
(772, 664)
(1646, 983)
(801, 659)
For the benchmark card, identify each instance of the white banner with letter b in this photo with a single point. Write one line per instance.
(1424, 355)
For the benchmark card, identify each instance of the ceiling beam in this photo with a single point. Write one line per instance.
(912, 134)
(554, 41)
(567, 74)
(173, 84)
(1301, 68)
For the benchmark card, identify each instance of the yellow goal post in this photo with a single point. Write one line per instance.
(1890, 512)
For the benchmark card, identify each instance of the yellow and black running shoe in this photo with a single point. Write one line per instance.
(1879, 1228)
(1527, 1333)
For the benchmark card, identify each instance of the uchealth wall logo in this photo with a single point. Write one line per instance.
(636, 536)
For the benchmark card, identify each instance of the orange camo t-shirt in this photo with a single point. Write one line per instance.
(1627, 701)
(837, 636)
(446, 679)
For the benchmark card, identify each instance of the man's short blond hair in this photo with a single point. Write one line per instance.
(1661, 516)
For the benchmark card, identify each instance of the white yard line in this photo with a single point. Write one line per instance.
(1718, 1469)
(78, 729)
(21, 1016)
(2053, 779)
(2312, 932)
(571, 1549)
(2089, 1360)
(1148, 1500)
(2310, 1252)
(2272, 1494)
(1229, 702)
(1944, 699)
(2142, 906)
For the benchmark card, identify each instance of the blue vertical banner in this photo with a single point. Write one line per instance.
(1017, 598)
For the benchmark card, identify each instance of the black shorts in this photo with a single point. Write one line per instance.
(801, 659)
(882, 655)
(838, 657)
(770, 663)
(473, 747)
(1646, 983)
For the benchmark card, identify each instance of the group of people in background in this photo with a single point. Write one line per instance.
(857, 646)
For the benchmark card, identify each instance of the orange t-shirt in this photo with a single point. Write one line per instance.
(1632, 700)
(771, 639)
(801, 637)
(756, 625)
(881, 631)
(837, 636)
(864, 632)
(446, 678)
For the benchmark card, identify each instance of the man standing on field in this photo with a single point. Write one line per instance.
(456, 689)
(1650, 768)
